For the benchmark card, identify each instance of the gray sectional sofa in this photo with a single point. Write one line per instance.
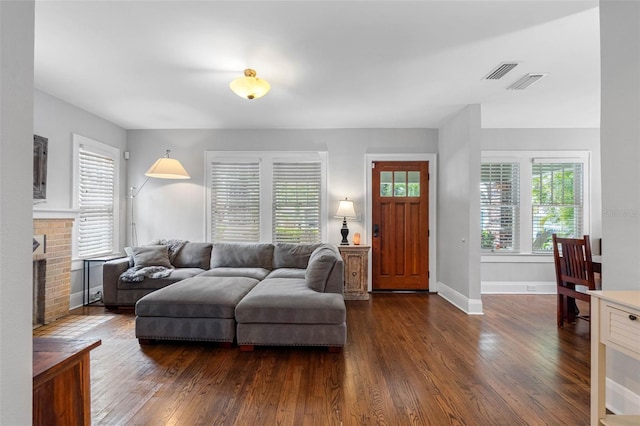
(253, 294)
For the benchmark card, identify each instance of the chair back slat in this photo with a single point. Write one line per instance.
(573, 260)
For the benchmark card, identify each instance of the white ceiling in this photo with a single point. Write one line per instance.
(331, 64)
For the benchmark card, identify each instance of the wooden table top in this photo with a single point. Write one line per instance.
(50, 355)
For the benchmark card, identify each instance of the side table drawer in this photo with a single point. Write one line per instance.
(621, 328)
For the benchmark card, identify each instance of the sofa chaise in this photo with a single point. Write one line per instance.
(254, 294)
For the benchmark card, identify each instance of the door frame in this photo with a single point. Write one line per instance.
(433, 186)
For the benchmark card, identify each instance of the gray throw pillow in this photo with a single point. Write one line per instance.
(321, 264)
(151, 256)
(129, 251)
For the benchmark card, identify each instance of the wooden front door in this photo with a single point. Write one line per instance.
(400, 219)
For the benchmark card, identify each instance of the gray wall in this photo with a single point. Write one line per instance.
(58, 121)
(16, 226)
(175, 209)
(459, 210)
(620, 135)
(533, 273)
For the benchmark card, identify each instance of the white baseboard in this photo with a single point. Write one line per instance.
(460, 301)
(621, 400)
(76, 300)
(519, 287)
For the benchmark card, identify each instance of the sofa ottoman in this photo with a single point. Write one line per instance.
(199, 308)
(285, 311)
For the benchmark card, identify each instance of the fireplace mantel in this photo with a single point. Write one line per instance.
(48, 213)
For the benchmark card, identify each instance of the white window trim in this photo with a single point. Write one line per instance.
(266, 160)
(526, 159)
(100, 148)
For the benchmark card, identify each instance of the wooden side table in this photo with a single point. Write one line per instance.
(86, 277)
(61, 381)
(356, 271)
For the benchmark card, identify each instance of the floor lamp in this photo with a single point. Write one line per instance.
(164, 168)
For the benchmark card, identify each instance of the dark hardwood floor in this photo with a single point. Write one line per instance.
(411, 359)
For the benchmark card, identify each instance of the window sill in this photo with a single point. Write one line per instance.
(517, 258)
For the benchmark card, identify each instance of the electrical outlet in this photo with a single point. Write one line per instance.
(531, 287)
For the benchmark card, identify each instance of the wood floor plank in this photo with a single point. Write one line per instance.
(410, 359)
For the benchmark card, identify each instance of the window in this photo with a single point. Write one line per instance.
(499, 206)
(95, 196)
(557, 203)
(528, 196)
(235, 201)
(297, 196)
(275, 196)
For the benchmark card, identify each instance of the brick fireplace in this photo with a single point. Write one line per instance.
(57, 226)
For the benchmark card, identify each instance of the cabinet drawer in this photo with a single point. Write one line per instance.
(621, 328)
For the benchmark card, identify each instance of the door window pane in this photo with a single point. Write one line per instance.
(414, 184)
(400, 184)
(386, 184)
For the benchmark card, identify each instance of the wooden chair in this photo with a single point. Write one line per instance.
(575, 274)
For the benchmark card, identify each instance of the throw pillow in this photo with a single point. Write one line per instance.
(129, 250)
(320, 266)
(151, 256)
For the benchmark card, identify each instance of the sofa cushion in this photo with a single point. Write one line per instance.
(321, 263)
(290, 301)
(193, 255)
(151, 256)
(243, 255)
(257, 273)
(197, 297)
(287, 273)
(288, 255)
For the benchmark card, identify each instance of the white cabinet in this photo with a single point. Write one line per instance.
(615, 323)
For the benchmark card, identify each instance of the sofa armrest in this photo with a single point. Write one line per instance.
(335, 282)
(325, 271)
(111, 272)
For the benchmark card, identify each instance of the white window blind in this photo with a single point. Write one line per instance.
(558, 202)
(297, 188)
(235, 202)
(96, 204)
(499, 206)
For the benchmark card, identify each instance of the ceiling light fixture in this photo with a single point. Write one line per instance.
(249, 86)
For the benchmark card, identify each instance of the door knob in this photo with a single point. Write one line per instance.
(376, 230)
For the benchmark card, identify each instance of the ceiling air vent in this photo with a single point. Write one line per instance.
(500, 70)
(526, 81)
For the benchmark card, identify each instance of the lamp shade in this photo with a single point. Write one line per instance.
(346, 209)
(167, 168)
(249, 86)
